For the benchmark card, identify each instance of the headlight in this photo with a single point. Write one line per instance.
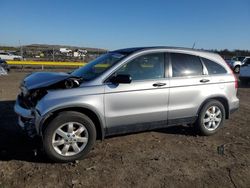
(35, 93)
(24, 91)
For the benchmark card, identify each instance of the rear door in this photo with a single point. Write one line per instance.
(142, 104)
(188, 83)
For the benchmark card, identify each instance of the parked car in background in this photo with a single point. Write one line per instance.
(236, 62)
(4, 68)
(65, 50)
(126, 91)
(9, 56)
(245, 71)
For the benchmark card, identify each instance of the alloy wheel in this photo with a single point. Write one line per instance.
(70, 139)
(212, 118)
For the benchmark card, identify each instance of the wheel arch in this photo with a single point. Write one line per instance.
(221, 99)
(236, 66)
(88, 112)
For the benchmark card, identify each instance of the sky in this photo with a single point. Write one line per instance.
(112, 24)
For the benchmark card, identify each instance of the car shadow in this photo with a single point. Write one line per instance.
(177, 129)
(245, 85)
(14, 144)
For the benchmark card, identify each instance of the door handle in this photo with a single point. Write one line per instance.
(159, 84)
(204, 80)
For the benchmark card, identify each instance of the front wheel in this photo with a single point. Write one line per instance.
(211, 118)
(69, 136)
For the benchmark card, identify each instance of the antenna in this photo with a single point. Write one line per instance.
(193, 45)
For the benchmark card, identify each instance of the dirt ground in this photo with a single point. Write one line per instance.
(171, 157)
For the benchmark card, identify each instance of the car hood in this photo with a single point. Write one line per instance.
(43, 79)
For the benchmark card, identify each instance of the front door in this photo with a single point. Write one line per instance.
(142, 104)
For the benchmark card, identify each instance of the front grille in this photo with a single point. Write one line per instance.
(24, 102)
(24, 120)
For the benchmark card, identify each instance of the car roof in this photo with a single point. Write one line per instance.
(136, 49)
(241, 56)
(201, 53)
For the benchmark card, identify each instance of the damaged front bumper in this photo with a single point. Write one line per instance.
(27, 119)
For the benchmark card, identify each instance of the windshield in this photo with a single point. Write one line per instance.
(240, 58)
(98, 66)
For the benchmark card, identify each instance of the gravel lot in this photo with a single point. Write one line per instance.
(172, 157)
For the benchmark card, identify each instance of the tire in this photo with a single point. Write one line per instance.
(205, 128)
(237, 69)
(83, 129)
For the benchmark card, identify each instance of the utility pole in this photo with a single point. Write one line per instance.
(21, 49)
(53, 54)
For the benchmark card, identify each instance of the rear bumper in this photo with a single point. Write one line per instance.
(233, 110)
(234, 106)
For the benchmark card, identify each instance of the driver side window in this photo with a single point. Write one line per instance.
(146, 67)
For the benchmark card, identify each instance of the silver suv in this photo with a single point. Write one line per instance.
(125, 91)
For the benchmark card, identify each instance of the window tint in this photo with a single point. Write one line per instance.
(212, 67)
(248, 61)
(186, 65)
(98, 66)
(145, 67)
(240, 58)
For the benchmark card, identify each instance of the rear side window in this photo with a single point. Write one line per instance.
(213, 68)
(185, 65)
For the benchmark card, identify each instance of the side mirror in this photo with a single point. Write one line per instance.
(121, 79)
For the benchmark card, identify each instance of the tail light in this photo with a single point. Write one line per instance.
(236, 85)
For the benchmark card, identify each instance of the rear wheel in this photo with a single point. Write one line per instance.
(237, 69)
(211, 118)
(68, 137)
